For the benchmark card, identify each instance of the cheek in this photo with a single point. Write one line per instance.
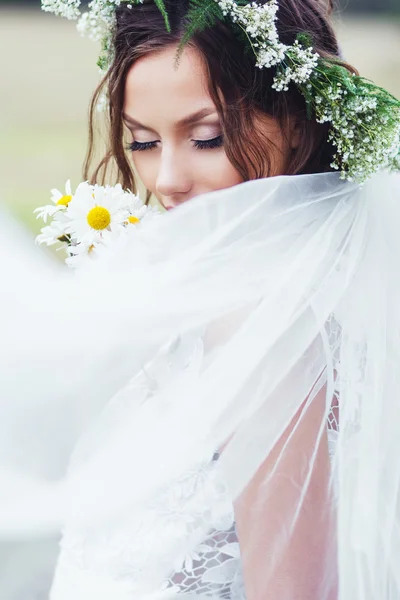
(218, 173)
(146, 165)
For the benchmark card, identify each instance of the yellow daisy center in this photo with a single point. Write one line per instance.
(64, 200)
(99, 218)
(133, 220)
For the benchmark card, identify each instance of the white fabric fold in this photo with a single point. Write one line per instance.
(232, 324)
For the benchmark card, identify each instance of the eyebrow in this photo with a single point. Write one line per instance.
(189, 120)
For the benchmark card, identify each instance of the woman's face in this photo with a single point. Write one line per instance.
(177, 144)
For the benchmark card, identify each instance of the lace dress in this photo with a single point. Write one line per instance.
(191, 520)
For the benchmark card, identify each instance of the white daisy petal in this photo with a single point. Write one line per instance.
(56, 195)
(95, 219)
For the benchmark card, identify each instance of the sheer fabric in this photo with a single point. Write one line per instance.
(211, 352)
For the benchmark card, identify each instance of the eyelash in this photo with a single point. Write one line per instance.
(209, 144)
(216, 142)
(140, 146)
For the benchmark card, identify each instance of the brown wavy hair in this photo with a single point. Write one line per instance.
(239, 90)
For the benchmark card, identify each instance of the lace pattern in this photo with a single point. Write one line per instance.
(191, 519)
(212, 569)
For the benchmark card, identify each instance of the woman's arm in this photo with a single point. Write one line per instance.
(306, 567)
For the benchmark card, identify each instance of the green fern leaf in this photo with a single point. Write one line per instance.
(161, 7)
(202, 14)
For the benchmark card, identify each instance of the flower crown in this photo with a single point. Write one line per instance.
(364, 118)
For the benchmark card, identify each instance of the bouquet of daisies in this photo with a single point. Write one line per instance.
(92, 218)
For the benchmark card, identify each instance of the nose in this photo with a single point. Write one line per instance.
(174, 181)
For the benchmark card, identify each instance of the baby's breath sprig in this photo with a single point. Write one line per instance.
(63, 8)
(364, 119)
(294, 63)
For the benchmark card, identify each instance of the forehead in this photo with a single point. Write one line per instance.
(156, 88)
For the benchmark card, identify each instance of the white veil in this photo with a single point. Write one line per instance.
(260, 322)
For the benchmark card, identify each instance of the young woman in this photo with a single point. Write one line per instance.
(206, 122)
(239, 129)
(242, 321)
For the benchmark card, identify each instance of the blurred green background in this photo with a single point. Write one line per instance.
(48, 73)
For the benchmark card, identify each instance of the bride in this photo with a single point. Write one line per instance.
(219, 418)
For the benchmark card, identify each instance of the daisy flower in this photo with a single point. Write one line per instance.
(93, 220)
(54, 232)
(95, 210)
(79, 254)
(50, 234)
(139, 212)
(60, 203)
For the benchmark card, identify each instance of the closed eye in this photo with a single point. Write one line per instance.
(140, 146)
(216, 142)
